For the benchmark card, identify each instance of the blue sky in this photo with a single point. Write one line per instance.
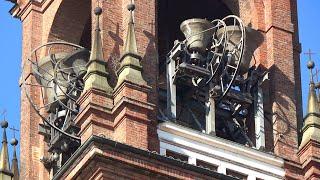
(309, 29)
(10, 55)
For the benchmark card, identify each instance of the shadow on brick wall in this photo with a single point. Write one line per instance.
(113, 59)
(280, 107)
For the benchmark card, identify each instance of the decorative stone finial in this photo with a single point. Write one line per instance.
(131, 7)
(311, 128)
(130, 67)
(4, 124)
(98, 11)
(14, 163)
(310, 64)
(4, 155)
(14, 142)
(96, 76)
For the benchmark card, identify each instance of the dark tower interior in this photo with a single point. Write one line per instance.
(171, 13)
(86, 34)
(190, 107)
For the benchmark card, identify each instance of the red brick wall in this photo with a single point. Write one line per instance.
(280, 38)
(309, 158)
(31, 142)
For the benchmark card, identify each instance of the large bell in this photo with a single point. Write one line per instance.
(78, 61)
(252, 41)
(44, 74)
(71, 63)
(198, 33)
(234, 36)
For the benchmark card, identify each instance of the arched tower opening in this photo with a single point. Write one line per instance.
(72, 23)
(170, 14)
(190, 107)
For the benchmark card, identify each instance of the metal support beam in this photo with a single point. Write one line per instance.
(259, 119)
(194, 117)
(210, 116)
(171, 90)
(171, 87)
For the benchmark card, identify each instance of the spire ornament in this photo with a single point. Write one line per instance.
(4, 156)
(14, 163)
(310, 66)
(130, 68)
(311, 128)
(97, 74)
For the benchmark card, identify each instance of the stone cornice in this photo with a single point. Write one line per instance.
(22, 11)
(91, 150)
(143, 88)
(219, 152)
(86, 94)
(272, 26)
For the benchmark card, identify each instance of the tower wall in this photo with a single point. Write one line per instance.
(65, 20)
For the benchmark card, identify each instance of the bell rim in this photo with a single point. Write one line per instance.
(185, 22)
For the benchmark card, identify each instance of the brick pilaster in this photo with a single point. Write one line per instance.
(133, 123)
(96, 101)
(281, 38)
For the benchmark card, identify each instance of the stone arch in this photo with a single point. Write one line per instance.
(72, 22)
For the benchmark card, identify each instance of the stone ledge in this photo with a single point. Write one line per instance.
(98, 147)
(196, 144)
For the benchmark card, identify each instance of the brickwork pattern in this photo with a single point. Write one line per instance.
(105, 161)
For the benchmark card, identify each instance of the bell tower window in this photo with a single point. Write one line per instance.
(232, 120)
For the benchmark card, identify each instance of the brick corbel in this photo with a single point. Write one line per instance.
(22, 10)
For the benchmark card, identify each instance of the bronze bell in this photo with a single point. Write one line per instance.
(198, 33)
(234, 36)
(44, 74)
(70, 63)
(252, 41)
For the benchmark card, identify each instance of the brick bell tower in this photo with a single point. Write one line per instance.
(122, 127)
